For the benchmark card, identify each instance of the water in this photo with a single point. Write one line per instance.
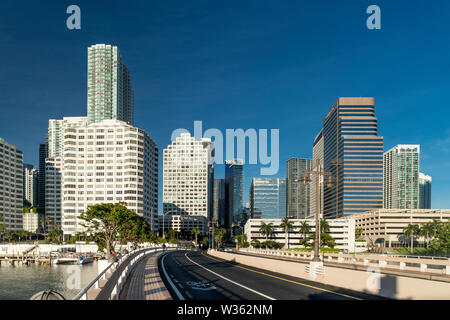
(21, 282)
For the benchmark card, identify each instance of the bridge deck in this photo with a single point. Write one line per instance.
(106, 290)
(144, 282)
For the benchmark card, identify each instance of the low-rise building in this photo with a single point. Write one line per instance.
(341, 230)
(184, 222)
(387, 225)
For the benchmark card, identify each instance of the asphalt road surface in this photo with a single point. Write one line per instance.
(194, 275)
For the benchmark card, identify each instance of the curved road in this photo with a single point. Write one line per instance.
(194, 275)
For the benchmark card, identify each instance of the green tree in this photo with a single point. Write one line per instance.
(104, 223)
(358, 232)
(9, 236)
(133, 229)
(55, 236)
(410, 231)
(441, 241)
(325, 240)
(266, 230)
(304, 229)
(241, 239)
(256, 244)
(287, 225)
(195, 231)
(205, 243)
(220, 236)
(428, 231)
(324, 226)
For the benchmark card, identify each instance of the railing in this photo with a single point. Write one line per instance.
(83, 295)
(102, 276)
(438, 265)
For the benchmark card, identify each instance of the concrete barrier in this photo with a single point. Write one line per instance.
(371, 281)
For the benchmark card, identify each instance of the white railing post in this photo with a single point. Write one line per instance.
(402, 265)
(423, 267)
(447, 270)
(366, 262)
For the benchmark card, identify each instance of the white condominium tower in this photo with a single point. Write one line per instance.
(108, 162)
(110, 95)
(401, 177)
(11, 186)
(188, 177)
(56, 133)
(30, 184)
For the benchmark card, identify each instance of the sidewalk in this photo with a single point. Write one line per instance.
(144, 282)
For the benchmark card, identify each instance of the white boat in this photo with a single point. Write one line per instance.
(84, 260)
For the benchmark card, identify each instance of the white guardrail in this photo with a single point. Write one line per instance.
(435, 265)
(83, 295)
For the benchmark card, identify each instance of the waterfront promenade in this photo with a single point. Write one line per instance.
(144, 282)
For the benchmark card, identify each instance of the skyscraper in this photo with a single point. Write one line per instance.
(188, 177)
(43, 154)
(56, 133)
(219, 201)
(401, 177)
(11, 185)
(108, 162)
(424, 191)
(110, 94)
(54, 167)
(317, 161)
(268, 198)
(30, 184)
(353, 153)
(298, 195)
(234, 190)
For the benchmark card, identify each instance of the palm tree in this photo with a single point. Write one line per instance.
(9, 236)
(324, 226)
(287, 225)
(410, 231)
(304, 229)
(43, 225)
(266, 229)
(49, 223)
(428, 230)
(219, 236)
(195, 232)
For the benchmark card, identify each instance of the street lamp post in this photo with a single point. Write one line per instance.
(212, 226)
(234, 225)
(305, 179)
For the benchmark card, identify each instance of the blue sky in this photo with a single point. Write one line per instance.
(237, 64)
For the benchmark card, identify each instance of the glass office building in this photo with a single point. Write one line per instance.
(110, 94)
(234, 190)
(424, 191)
(353, 153)
(219, 201)
(298, 195)
(401, 177)
(268, 198)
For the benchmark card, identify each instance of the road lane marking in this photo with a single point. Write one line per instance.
(287, 280)
(234, 282)
(177, 292)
